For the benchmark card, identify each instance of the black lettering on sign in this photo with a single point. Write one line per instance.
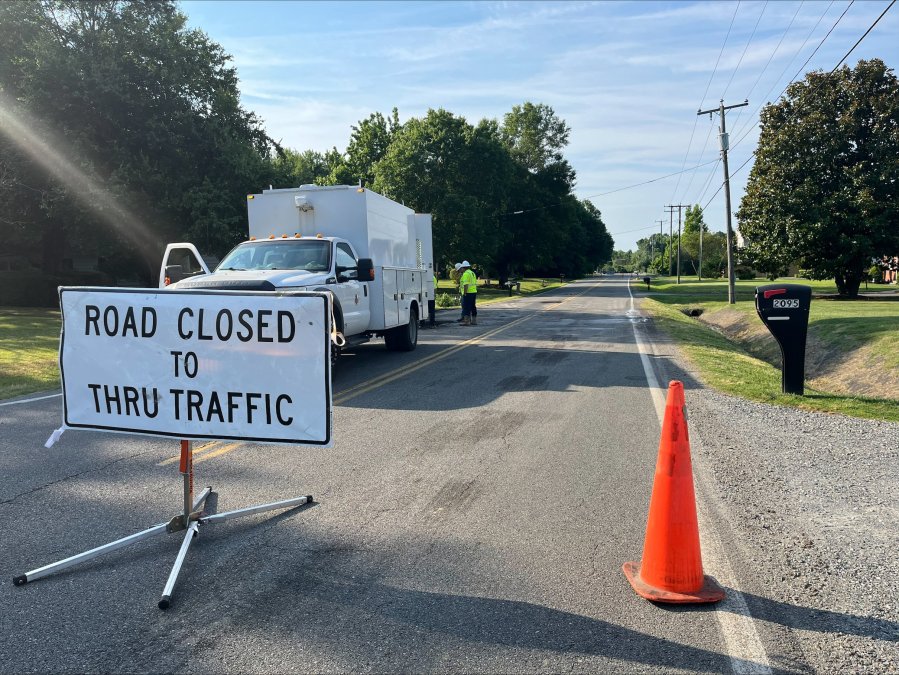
(177, 394)
(243, 318)
(185, 335)
(281, 419)
(91, 316)
(130, 396)
(224, 334)
(112, 322)
(111, 318)
(148, 328)
(200, 334)
(263, 313)
(285, 321)
(233, 406)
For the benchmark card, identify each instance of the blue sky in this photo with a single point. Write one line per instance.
(628, 78)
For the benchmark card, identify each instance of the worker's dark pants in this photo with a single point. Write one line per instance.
(432, 312)
(469, 305)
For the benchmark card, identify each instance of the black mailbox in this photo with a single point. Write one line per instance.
(784, 310)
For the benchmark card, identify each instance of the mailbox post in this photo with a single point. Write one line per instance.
(784, 310)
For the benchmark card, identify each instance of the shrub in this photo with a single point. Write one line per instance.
(445, 300)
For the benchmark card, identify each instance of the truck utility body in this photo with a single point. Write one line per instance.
(371, 254)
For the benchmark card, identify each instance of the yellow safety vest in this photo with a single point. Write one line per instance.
(469, 280)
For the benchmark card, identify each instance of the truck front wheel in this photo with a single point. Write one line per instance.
(403, 338)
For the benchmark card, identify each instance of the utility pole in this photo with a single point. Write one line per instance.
(671, 208)
(722, 136)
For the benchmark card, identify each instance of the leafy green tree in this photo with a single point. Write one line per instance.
(694, 221)
(442, 165)
(148, 139)
(368, 144)
(293, 168)
(824, 189)
(536, 137)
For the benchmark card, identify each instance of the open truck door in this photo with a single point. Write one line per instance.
(180, 261)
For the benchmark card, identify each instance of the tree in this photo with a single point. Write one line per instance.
(536, 136)
(694, 220)
(694, 223)
(442, 165)
(143, 134)
(824, 190)
(368, 144)
(309, 167)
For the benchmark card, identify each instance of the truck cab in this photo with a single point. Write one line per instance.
(370, 298)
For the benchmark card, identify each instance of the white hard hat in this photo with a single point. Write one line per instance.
(458, 266)
(465, 263)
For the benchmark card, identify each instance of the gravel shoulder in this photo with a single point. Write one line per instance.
(807, 505)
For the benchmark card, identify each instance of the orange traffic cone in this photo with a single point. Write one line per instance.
(671, 568)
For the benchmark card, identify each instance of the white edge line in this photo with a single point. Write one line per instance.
(30, 400)
(744, 647)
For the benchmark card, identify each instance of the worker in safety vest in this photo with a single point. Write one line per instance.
(468, 287)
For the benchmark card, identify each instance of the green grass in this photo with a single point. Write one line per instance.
(715, 290)
(29, 349)
(493, 293)
(726, 365)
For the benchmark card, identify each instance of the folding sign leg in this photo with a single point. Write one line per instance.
(166, 598)
(250, 510)
(46, 570)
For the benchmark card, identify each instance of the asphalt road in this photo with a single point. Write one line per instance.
(473, 515)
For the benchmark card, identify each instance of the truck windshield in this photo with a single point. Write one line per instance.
(313, 255)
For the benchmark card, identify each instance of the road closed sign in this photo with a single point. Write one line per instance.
(197, 364)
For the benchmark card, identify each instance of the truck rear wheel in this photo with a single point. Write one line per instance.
(403, 338)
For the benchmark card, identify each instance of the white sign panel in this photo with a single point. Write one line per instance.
(197, 364)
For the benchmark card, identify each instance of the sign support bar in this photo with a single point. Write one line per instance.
(190, 520)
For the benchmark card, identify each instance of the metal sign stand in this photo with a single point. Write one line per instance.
(190, 519)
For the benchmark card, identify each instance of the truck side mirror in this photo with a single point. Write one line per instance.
(173, 274)
(366, 269)
(784, 309)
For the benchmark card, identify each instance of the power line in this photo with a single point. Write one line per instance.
(783, 72)
(646, 182)
(767, 63)
(863, 36)
(748, 42)
(727, 87)
(858, 42)
(701, 153)
(708, 181)
(836, 23)
(792, 79)
(773, 54)
(707, 86)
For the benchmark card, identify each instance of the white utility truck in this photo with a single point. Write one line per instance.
(371, 254)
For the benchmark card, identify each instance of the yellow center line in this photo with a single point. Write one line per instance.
(218, 452)
(381, 380)
(206, 447)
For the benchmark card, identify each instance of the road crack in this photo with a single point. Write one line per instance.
(4, 502)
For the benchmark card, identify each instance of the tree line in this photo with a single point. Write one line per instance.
(122, 129)
(702, 253)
